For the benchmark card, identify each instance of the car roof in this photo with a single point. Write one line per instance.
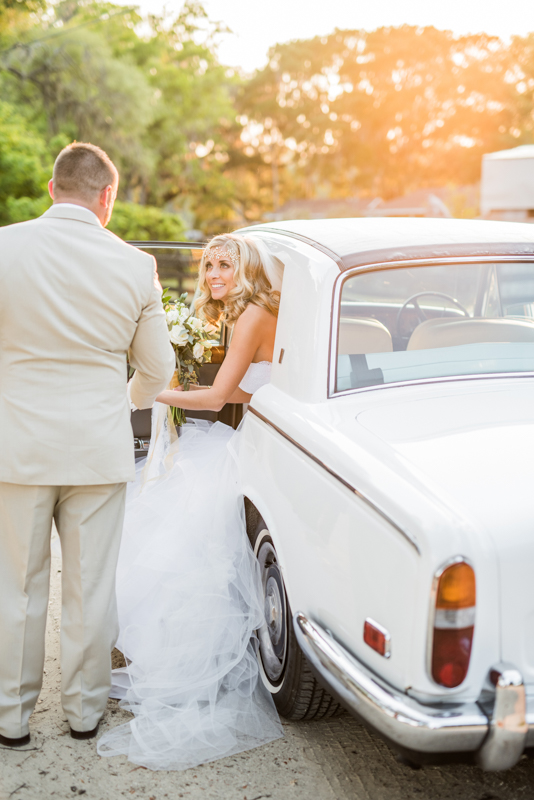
(359, 241)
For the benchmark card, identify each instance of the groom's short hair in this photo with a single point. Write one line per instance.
(82, 170)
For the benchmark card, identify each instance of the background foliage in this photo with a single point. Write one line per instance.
(373, 113)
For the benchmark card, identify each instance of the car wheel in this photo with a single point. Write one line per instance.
(285, 671)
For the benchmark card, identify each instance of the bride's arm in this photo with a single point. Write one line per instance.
(247, 337)
(239, 396)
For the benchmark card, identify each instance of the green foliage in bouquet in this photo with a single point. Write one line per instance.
(192, 339)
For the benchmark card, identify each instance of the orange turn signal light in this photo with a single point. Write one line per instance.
(457, 588)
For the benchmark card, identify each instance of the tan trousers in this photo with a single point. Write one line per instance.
(89, 520)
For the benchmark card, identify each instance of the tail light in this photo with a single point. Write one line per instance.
(454, 624)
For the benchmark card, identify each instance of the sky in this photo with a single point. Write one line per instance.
(259, 24)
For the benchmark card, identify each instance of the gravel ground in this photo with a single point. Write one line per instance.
(329, 760)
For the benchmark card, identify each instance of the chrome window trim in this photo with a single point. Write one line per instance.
(427, 262)
(432, 618)
(156, 245)
(411, 540)
(444, 379)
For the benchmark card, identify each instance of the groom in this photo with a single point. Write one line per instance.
(74, 302)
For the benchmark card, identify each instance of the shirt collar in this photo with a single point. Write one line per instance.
(72, 211)
(83, 209)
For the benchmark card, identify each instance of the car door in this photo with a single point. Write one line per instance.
(178, 264)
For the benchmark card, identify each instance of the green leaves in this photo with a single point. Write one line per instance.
(25, 166)
(133, 221)
(154, 98)
(376, 113)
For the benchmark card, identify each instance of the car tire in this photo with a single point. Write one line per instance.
(284, 669)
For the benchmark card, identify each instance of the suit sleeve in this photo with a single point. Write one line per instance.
(151, 353)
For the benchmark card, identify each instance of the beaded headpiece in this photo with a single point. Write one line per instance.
(223, 252)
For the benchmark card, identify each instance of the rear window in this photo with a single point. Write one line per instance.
(415, 323)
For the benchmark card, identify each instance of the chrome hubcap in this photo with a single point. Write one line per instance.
(273, 633)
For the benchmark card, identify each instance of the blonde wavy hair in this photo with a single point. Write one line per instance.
(252, 264)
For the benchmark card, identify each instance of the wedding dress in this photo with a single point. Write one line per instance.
(189, 600)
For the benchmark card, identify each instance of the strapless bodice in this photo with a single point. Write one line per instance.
(257, 375)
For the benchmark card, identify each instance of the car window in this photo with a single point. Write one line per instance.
(413, 323)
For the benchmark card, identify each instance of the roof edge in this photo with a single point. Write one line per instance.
(410, 252)
(306, 239)
(427, 252)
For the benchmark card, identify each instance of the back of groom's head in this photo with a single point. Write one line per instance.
(83, 170)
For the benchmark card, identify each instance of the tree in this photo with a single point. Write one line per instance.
(375, 112)
(158, 102)
(25, 169)
(133, 221)
(520, 78)
(383, 111)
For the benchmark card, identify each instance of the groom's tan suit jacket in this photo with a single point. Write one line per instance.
(74, 300)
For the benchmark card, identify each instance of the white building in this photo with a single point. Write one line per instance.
(507, 187)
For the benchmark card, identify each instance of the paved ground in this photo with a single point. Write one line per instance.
(330, 760)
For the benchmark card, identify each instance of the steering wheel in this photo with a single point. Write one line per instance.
(421, 316)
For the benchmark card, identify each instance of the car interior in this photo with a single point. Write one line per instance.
(468, 318)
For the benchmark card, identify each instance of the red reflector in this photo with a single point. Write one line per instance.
(450, 655)
(377, 637)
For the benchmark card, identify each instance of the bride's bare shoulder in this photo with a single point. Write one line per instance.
(254, 315)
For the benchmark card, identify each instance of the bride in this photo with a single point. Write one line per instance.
(188, 587)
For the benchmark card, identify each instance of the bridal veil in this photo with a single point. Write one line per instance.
(189, 601)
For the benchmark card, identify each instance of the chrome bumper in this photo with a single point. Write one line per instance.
(498, 736)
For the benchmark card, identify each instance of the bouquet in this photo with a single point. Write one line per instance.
(192, 339)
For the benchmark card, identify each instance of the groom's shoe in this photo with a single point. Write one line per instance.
(84, 734)
(7, 742)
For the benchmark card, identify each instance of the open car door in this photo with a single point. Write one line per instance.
(178, 270)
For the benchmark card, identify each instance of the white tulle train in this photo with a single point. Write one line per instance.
(189, 602)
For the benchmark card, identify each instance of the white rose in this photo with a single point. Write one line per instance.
(195, 323)
(172, 316)
(183, 315)
(209, 328)
(198, 350)
(178, 335)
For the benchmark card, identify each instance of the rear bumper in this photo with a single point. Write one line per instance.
(498, 731)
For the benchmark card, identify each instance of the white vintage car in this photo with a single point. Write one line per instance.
(389, 480)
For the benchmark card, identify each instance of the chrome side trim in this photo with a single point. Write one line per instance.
(335, 475)
(423, 262)
(508, 728)
(402, 719)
